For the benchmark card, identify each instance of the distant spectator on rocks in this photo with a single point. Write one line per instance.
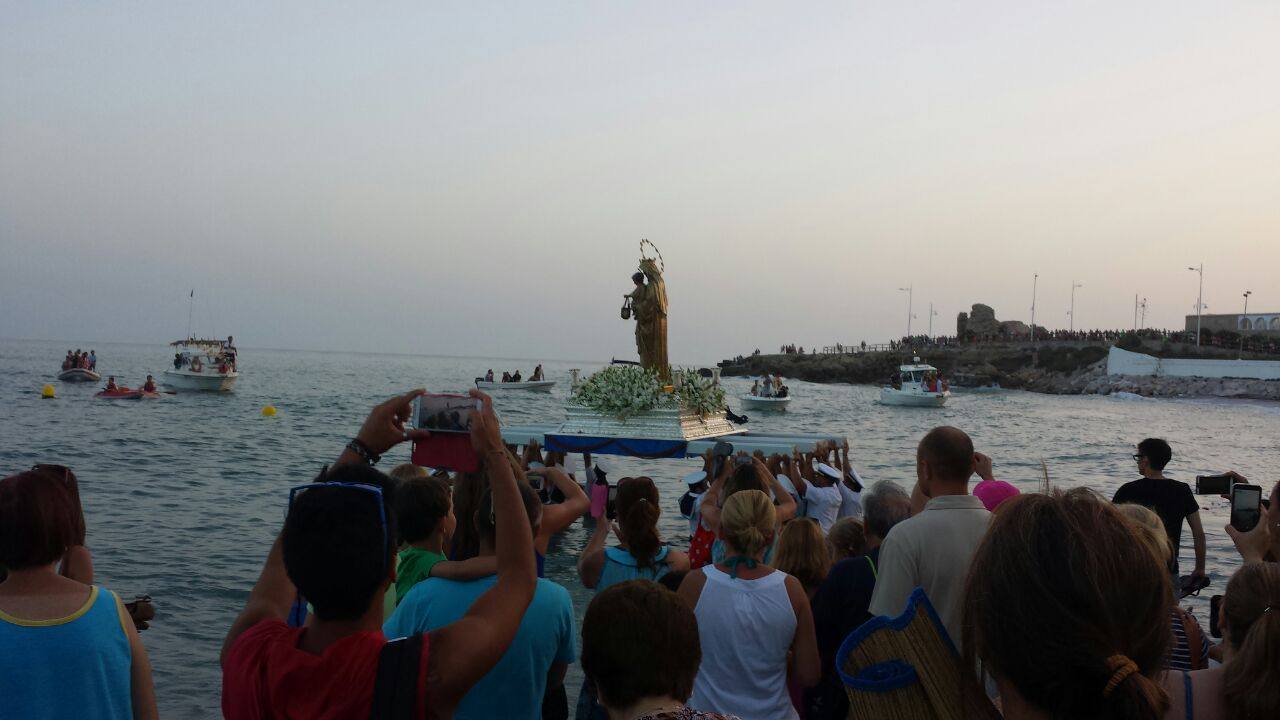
(989, 490)
(1171, 499)
(932, 550)
(842, 601)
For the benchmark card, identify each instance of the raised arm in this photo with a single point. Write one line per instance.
(556, 518)
(462, 652)
(591, 561)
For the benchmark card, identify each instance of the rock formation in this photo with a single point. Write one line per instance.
(982, 321)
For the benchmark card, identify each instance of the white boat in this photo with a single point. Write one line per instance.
(536, 385)
(912, 391)
(203, 366)
(759, 402)
(79, 375)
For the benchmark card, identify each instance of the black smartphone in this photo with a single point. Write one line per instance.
(610, 506)
(1213, 484)
(1246, 506)
(1215, 605)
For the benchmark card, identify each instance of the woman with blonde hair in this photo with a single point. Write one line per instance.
(1190, 649)
(740, 603)
(802, 553)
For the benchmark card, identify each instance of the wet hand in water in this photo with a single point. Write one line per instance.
(384, 428)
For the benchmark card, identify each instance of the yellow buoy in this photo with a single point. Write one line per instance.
(268, 411)
(47, 392)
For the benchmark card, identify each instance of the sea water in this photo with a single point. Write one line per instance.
(184, 495)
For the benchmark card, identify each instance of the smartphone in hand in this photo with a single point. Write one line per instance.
(448, 419)
(1213, 484)
(1246, 506)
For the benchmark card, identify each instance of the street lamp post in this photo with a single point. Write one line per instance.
(1247, 293)
(932, 312)
(1072, 313)
(1199, 300)
(909, 290)
(1035, 281)
(1143, 322)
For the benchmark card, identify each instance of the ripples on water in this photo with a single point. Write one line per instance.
(184, 495)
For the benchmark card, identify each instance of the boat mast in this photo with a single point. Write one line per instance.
(191, 299)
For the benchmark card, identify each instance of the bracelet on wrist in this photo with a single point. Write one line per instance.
(358, 447)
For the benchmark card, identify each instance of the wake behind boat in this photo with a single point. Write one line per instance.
(917, 385)
(203, 366)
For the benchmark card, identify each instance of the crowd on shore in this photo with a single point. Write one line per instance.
(418, 594)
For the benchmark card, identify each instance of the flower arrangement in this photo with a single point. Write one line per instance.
(699, 394)
(628, 390)
(620, 390)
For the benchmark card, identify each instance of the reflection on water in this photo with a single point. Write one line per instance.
(183, 495)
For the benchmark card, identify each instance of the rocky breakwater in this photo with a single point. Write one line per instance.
(1009, 365)
(1056, 369)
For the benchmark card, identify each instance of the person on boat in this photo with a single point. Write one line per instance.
(197, 365)
(755, 389)
(488, 377)
(506, 376)
(782, 390)
(93, 359)
(111, 384)
(516, 377)
(177, 361)
(767, 389)
(149, 385)
(537, 374)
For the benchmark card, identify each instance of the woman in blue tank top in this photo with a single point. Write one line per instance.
(639, 555)
(70, 649)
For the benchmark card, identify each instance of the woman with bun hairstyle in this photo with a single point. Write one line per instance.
(743, 604)
(1068, 611)
(640, 552)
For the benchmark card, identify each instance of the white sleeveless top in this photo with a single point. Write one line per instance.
(746, 628)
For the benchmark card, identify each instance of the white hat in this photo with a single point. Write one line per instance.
(695, 477)
(829, 471)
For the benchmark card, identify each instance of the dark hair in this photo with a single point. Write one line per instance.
(744, 477)
(1065, 602)
(63, 474)
(637, 277)
(468, 489)
(637, 505)
(671, 580)
(333, 542)
(1251, 607)
(421, 503)
(949, 451)
(36, 525)
(484, 512)
(884, 505)
(640, 640)
(1156, 451)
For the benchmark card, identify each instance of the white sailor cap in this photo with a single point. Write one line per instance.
(829, 471)
(695, 477)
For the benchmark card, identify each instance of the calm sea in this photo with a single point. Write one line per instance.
(184, 495)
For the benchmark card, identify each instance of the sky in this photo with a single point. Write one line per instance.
(474, 178)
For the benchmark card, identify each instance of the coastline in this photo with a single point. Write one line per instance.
(1051, 368)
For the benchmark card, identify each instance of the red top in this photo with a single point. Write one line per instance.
(267, 676)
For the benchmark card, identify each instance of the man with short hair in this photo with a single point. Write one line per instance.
(336, 550)
(933, 549)
(543, 647)
(1171, 499)
(841, 602)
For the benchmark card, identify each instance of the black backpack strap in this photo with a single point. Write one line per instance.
(395, 691)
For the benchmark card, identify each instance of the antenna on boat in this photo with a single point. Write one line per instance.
(191, 300)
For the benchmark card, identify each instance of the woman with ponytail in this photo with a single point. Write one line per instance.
(1068, 611)
(750, 617)
(1247, 684)
(640, 553)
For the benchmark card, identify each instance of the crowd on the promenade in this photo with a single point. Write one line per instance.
(1260, 343)
(419, 593)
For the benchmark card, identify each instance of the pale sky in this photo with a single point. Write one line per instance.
(474, 178)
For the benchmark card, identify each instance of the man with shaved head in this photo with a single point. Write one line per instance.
(932, 549)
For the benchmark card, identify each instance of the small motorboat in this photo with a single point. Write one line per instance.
(203, 366)
(535, 385)
(125, 393)
(760, 402)
(919, 386)
(79, 375)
